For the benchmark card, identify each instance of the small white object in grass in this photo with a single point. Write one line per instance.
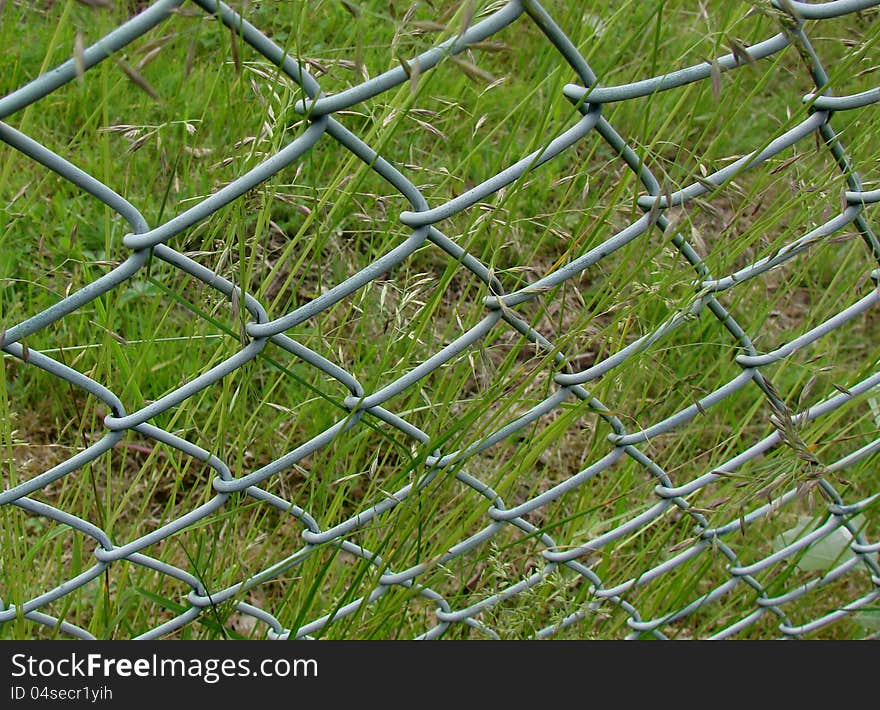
(595, 23)
(831, 550)
(868, 618)
(875, 409)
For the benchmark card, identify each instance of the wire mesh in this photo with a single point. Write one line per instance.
(603, 588)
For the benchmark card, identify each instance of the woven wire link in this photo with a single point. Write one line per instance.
(569, 384)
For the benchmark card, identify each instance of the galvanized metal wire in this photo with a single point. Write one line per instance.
(424, 220)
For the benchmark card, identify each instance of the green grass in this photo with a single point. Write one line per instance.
(215, 109)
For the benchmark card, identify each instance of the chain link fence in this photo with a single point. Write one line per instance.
(854, 574)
